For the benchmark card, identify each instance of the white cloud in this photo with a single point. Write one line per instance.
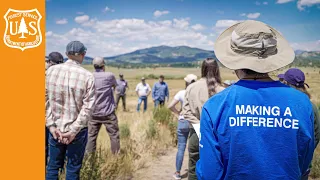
(118, 36)
(306, 3)
(107, 9)
(49, 33)
(62, 21)
(80, 12)
(265, 3)
(81, 19)
(257, 3)
(198, 27)
(307, 46)
(253, 15)
(158, 13)
(283, 1)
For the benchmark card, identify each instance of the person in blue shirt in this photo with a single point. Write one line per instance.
(257, 128)
(160, 92)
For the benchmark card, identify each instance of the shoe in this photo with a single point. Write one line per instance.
(176, 176)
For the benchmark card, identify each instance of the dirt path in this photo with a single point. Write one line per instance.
(163, 167)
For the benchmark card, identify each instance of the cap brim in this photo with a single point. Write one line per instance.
(280, 75)
(233, 60)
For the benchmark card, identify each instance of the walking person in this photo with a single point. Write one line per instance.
(183, 125)
(160, 92)
(104, 111)
(121, 88)
(143, 91)
(195, 96)
(54, 58)
(257, 128)
(295, 78)
(70, 93)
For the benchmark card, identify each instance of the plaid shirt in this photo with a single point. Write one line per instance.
(70, 96)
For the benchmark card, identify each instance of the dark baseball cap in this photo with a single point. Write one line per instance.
(76, 48)
(295, 77)
(280, 76)
(121, 75)
(55, 57)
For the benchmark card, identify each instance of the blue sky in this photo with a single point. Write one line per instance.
(114, 27)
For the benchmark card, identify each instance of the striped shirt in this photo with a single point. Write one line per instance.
(70, 92)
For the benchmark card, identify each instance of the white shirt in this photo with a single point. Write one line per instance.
(180, 97)
(143, 90)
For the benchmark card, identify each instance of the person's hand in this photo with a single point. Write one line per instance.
(56, 133)
(68, 137)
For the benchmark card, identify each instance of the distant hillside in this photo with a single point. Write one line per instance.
(184, 56)
(311, 58)
(162, 55)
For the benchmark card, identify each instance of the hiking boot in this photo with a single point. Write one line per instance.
(176, 176)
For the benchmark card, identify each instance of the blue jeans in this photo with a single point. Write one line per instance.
(74, 153)
(46, 143)
(143, 99)
(158, 102)
(182, 132)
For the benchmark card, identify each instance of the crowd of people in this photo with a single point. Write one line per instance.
(255, 128)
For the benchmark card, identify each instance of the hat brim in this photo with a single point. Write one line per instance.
(233, 60)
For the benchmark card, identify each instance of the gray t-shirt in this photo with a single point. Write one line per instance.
(121, 87)
(104, 82)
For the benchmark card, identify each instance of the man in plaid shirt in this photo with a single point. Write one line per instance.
(70, 92)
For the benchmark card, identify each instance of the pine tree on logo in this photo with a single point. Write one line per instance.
(22, 28)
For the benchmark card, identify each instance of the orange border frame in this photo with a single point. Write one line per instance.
(22, 93)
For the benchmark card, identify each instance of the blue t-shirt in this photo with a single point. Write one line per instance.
(256, 130)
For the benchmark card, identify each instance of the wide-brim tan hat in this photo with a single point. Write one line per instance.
(253, 45)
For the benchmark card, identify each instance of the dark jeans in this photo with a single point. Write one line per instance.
(193, 154)
(182, 132)
(158, 102)
(143, 99)
(111, 124)
(46, 144)
(74, 153)
(123, 98)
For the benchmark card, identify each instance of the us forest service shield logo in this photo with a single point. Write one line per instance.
(22, 29)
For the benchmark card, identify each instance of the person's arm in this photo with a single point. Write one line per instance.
(188, 109)
(114, 82)
(127, 84)
(210, 165)
(49, 117)
(137, 90)
(172, 105)
(154, 91)
(167, 92)
(86, 109)
(316, 124)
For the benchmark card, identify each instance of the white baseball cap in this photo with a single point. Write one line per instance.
(190, 77)
(99, 61)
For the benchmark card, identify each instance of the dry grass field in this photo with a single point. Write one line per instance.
(142, 138)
